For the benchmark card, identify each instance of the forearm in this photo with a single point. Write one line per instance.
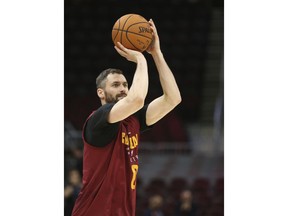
(135, 98)
(169, 86)
(139, 87)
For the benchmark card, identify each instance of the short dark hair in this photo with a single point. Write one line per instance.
(101, 79)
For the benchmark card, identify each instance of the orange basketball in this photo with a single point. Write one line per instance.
(133, 31)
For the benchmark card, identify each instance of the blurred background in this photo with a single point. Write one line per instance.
(181, 160)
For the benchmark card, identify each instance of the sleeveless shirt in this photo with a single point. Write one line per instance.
(110, 172)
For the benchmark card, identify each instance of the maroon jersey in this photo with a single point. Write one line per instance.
(109, 171)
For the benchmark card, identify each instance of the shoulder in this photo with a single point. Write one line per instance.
(98, 131)
(103, 109)
(100, 115)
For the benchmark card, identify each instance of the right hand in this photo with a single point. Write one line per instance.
(130, 55)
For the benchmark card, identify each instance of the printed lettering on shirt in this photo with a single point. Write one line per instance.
(134, 168)
(131, 142)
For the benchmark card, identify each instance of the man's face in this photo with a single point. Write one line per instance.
(116, 88)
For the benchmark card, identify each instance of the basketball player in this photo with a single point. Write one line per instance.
(111, 133)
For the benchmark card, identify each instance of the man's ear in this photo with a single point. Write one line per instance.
(100, 93)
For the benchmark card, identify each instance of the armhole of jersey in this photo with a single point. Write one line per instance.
(141, 116)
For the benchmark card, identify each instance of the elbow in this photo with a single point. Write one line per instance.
(139, 101)
(177, 100)
(174, 101)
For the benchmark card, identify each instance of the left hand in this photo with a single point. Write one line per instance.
(155, 44)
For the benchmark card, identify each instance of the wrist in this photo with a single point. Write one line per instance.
(140, 58)
(157, 55)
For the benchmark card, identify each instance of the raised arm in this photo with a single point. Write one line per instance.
(171, 97)
(138, 90)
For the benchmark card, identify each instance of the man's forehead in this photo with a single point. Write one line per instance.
(116, 78)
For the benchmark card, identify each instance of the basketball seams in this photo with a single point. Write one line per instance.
(127, 30)
(124, 26)
(137, 23)
(116, 29)
(131, 42)
(128, 27)
(133, 34)
(127, 37)
(138, 33)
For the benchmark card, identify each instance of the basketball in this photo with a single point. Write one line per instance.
(132, 31)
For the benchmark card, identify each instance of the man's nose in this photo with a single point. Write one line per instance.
(122, 88)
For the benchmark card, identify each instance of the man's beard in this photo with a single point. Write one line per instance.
(111, 99)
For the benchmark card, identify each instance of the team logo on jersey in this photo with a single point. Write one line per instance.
(131, 142)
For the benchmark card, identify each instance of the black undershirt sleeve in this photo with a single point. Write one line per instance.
(99, 132)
